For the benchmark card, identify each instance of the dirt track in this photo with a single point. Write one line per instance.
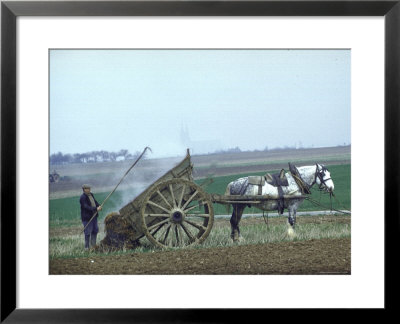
(325, 256)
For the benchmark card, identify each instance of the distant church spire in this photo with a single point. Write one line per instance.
(185, 137)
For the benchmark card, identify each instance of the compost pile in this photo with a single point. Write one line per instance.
(119, 234)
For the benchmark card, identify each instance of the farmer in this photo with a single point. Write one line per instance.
(89, 206)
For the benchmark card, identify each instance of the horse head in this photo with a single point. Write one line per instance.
(323, 178)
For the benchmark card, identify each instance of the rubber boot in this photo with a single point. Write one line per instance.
(87, 239)
(93, 240)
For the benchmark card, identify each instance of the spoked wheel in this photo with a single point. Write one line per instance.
(177, 212)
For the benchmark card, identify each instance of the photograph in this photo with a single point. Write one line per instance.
(199, 161)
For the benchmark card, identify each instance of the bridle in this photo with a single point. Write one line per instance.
(320, 174)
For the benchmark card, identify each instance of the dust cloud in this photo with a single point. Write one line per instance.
(141, 177)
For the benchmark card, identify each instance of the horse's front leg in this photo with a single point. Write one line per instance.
(291, 221)
(235, 220)
(292, 217)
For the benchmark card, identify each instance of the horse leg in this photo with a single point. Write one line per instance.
(235, 220)
(291, 221)
(292, 208)
(294, 217)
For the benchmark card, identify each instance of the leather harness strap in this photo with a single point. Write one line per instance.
(304, 188)
(260, 189)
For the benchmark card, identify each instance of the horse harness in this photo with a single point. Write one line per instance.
(320, 173)
(303, 186)
(276, 180)
(279, 180)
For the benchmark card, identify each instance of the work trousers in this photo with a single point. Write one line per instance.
(90, 231)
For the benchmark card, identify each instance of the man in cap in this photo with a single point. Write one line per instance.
(89, 206)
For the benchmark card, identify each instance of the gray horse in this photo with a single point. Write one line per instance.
(297, 182)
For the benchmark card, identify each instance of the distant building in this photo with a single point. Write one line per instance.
(198, 146)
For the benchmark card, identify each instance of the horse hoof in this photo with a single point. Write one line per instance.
(290, 232)
(238, 239)
(235, 236)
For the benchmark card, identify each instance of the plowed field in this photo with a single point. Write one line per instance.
(323, 256)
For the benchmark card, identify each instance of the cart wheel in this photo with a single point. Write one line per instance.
(177, 212)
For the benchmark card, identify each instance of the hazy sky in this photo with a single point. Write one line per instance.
(207, 99)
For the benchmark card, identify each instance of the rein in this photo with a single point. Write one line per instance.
(317, 203)
(265, 221)
(323, 183)
(300, 182)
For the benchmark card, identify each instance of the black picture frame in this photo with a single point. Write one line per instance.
(10, 10)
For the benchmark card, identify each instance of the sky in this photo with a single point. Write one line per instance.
(205, 100)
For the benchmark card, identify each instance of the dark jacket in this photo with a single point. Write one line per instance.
(87, 210)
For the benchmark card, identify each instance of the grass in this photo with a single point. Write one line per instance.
(66, 246)
(256, 232)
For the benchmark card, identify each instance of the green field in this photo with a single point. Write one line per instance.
(66, 211)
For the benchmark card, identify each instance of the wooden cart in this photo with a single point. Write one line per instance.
(175, 211)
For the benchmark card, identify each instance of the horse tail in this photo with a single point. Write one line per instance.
(227, 193)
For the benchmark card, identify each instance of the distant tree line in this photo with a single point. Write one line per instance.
(92, 157)
(121, 155)
(229, 150)
(298, 146)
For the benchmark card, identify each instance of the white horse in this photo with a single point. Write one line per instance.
(299, 181)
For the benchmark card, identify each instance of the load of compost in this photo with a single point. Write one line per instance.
(119, 234)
